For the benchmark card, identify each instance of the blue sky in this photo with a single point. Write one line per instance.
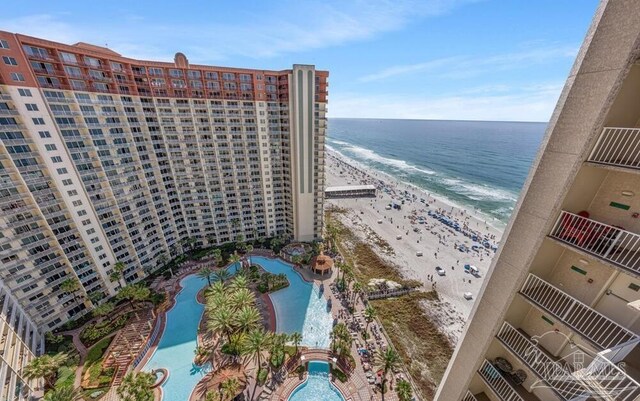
(430, 59)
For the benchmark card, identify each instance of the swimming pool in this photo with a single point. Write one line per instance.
(300, 307)
(317, 386)
(178, 341)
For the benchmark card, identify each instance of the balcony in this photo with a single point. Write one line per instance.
(611, 243)
(592, 325)
(613, 374)
(500, 386)
(617, 147)
(552, 372)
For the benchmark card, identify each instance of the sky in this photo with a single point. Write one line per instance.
(418, 59)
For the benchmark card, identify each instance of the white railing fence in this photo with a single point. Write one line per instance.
(599, 329)
(497, 383)
(617, 146)
(613, 244)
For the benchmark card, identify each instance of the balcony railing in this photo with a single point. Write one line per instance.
(553, 373)
(497, 383)
(594, 326)
(610, 243)
(608, 380)
(617, 147)
(469, 397)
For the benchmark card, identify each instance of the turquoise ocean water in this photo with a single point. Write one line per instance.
(480, 165)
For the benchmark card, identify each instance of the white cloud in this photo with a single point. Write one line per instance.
(470, 66)
(291, 26)
(529, 103)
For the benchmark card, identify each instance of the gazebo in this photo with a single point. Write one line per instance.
(321, 264)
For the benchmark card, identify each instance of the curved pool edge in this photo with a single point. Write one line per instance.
(287, 396)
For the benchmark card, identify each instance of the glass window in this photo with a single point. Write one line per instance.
(9, 60)
(68, 57)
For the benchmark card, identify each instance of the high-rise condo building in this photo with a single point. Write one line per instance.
(558, 317)
(107, 159)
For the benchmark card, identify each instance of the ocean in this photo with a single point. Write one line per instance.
(480, 165)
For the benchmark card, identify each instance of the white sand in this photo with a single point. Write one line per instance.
(436, 240)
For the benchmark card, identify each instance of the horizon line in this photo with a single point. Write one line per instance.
(437, 119)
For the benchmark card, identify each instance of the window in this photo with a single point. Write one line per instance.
(32, 107)
(68, 58)
(73, 71)
(4, 44)
(67, 182)
(62, 170)
(91, 231)
(73, 192)
(92, 62)
(50, 147)
(38, 121)
(228, 76)
(82, 212)
(56, 159)
(77, 203)
(44, 134)
(18, 77)
(9, 60)
(24, 92)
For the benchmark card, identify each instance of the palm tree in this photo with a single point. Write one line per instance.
(216, 254)
(45, 367)
(357, 289)
(104, 309)
(404, 390)
(221, 322)
(205, 272)
(136, 387)
(230, 388)
(386, 361)
(64, 393)
(238, 282)
(221, 275)
(134, 293)
(118, 273)
(369, 315)
(296, 339)
(234, 259)
(256, 341)
(247, 319)
(217, 289)
(248, 250)
(242, 297)
(71, 286)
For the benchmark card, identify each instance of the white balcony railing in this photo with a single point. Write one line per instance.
(606, 375)
(469, 397)
(596, 327)
(610, 243)
(497, 383)
(617, 147)
(553, 373)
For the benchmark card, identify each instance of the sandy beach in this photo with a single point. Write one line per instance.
(411, 230)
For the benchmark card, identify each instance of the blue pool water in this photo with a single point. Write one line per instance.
(175, 350)
(300, 307)
(317, 387)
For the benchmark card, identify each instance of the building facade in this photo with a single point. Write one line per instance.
(558, 316)
(107, 159)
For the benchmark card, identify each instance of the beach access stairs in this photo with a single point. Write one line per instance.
(382, 294)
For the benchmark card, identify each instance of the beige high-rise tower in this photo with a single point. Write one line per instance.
(558, 315)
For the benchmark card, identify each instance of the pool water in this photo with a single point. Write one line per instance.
(175, 349)
(299, 308)
(317, 387)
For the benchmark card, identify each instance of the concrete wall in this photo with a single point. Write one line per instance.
(604, 60)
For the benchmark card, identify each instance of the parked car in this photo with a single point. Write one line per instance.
(440, 271)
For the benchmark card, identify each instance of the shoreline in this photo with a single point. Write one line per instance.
(415, 242)
(487, 219)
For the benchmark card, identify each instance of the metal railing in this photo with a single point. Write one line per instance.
(617, 147)
(607, 380)
(553, 373)
(497, 383)
(610, 243)
(593, 325)
(469, 397)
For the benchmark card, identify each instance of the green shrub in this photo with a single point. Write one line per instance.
(339, 374)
